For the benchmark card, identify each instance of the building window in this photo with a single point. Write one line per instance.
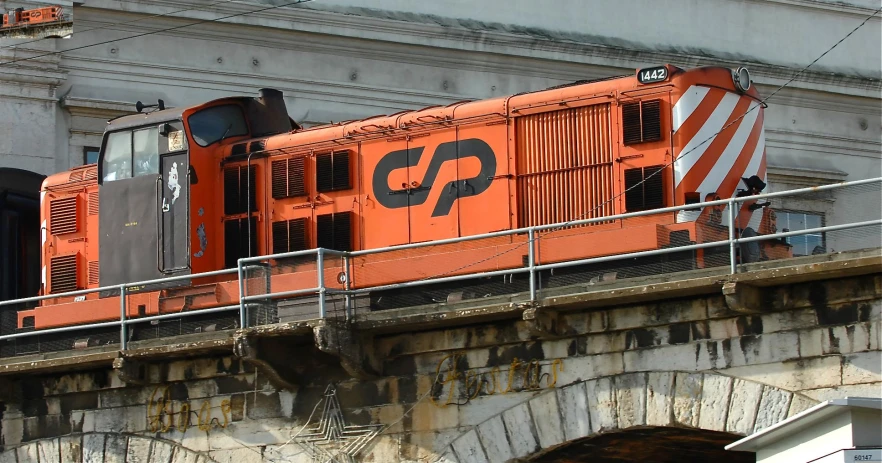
(808, 244)
(90, 154)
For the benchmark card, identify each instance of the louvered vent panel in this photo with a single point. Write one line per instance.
(93, 272)
(651, 120)
(289, 235)
(63, 216)
(564, 165)
(288, 178)
(63, 274)
(75, 176)
(236, 187)
(332, 171)
(280, 237)
(91, 174)
(93, 203)
(334, 231)
(631, 132)
(644, 188)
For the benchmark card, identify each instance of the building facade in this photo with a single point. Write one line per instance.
(348, 59)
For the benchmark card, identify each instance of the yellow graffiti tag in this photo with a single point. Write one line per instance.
(164, 415)
(454, 385)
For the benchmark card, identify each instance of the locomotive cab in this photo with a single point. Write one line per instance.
(158, 174)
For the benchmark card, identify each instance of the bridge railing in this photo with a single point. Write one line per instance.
(530, 263)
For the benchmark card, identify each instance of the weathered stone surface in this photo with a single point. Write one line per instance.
(28, 452)
(93, 447)
(546, 417)
(574, 411)
(716, 392)
(115, 448)
(583, 368)
(659, 398)
(494, 439)
(8, 456)
(49, 451)
(793, 375)
(601, 404)
(743, 405)
(799, 404)
(631, 400)
(71, 448)
(773, 408)
(519, 424)
(687, 399)
(468, 448)
(138, 450)
(850, 390)
(161, 453)
(862, 368)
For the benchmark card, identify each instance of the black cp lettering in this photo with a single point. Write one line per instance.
(455, 189)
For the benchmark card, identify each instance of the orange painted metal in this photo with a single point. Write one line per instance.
(557, 155)
(34, 16)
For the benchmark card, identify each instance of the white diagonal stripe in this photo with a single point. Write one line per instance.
(724, 164)
(687, 104)
(692, 152)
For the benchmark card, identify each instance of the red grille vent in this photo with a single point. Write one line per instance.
(63, 274)
(63, 216)
(91, 174)
(288, 178)
(93, 273)
(93, 203)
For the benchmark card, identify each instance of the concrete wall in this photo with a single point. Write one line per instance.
(480, 392)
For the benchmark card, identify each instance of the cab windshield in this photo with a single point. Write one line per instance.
(218, 122)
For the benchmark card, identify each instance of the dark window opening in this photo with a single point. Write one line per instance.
(289, 236)
(239, 190)
(809, 243)
(334, 231)
(236, 241)
(644, 188)
(90, 154)
(641, 122)
(217, 123)
(332, 171)
(288, 178)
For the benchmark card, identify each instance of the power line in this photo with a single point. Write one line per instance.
(156, 32)
(108, 26)
(762, 103)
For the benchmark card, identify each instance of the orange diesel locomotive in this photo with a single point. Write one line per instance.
(22, 17)
(188, 190)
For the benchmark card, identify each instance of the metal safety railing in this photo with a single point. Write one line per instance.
(870, 187)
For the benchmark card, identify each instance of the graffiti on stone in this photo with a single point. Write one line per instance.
(164, 414)
(455, 384)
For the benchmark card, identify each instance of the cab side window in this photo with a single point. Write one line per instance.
(146, 160)
(118, 156)
(130, 154)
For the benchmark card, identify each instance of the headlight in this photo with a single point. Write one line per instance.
(741, 77)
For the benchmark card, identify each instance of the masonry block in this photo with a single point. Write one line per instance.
(259, 405)
(631, 399)
(161, 453)
(448, 456)
(601, 404)
(546, 417)
(799, 404)
(8, 456)
(71, 449)
(742, 407)
(93, 447)
(716, 391)
(519, 424)
(687, 399)
(468, 448)
(773, 408)
(574, 411)
(659, 398)
(49, 451)
(575, 369)
(138, 450)
(862, 368)
(115, 448)
(495, 440)
(28, 452)
(794, 375)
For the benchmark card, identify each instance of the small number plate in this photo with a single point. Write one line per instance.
(650, 75)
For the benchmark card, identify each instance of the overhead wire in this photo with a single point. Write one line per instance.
(108, 26)
(159, 31)
(762, 103)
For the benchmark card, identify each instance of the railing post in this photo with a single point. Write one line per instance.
(320, 270)
(122, 318)
(347, 299)
(732, 217)
(531, 234)
(243, 316)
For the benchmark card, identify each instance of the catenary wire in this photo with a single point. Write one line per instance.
(108, 26)
(58, 52)
(762, 103)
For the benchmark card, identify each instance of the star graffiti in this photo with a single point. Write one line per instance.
(330, 439)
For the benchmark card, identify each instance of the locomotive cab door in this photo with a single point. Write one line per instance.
(174, 214)
(132, 224)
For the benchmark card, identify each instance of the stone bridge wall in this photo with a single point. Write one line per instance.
(481, 392)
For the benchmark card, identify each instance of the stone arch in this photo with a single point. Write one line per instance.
(705, 401)
(104, 446)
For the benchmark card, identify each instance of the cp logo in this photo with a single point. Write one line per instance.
(455, 189)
